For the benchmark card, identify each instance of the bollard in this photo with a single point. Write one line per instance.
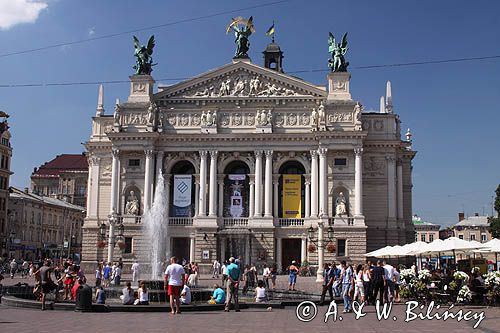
(83, 298)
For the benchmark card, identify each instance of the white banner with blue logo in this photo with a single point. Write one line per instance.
(182, 195)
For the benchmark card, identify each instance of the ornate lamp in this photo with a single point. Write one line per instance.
(102, 231)
(310, 233)
(330, 233)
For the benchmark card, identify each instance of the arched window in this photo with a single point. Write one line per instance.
(291, 190)
(236, 190)
(182, 190)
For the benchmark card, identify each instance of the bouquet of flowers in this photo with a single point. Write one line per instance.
(492, 284)
(407, 276)
(464, 295)
(424, 275)
(461, 277)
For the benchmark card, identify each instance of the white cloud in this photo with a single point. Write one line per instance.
(91, 31)
(13, 12)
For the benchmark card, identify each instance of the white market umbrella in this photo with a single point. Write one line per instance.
(435, 246)
(378, 253)
(408, 249)
(492, 246)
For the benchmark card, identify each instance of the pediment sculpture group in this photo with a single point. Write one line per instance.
(241, 86)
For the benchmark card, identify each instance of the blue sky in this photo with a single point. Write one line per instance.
(452, 109)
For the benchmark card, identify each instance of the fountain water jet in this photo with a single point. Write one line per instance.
(155, 227)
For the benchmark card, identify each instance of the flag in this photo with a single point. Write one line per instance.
(270, 31)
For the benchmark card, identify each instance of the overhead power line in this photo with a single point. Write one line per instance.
(406, 64)
(142, 29)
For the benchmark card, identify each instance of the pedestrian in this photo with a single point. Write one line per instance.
(260, 292)
(25, 269)
(13, 268)
(117, 274)
(143, 294)
(46, 283)
(224, 273)
(135, 268)
(378, 278)
(274, 274)
(106, 273)
(346, 278)
(215, 269)
(292, 275)
(245, 279)
(266, 274)
(337, 283)
(174, 283)
(234, 277)
(98, 275)
(397, 282)
(328, 278)
(127, 296)
(389, 282)
(359, 289)
(367, 283)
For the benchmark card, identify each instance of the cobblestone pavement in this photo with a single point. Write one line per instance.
(281, 320)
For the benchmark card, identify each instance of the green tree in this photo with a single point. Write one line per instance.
(495, 221)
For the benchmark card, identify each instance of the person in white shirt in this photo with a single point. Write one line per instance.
(389, 282)
(215, 269)
(266, 275)
(260, 292)
(135, 271)
(186, 295)
(143, 294)
(224, 274)
(127, 296)
(174, 283)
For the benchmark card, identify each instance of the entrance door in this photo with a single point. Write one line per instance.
(290, 250)
(180, 248)
(236, 247)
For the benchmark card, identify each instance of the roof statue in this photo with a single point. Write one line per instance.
(144, 61)
(242, 30)
(337, 51)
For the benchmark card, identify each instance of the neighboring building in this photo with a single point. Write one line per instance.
(446, 233)
(252, 158)
(5, 159)
(425, 231)
(472, 228)
(44, 226)
(65, 178)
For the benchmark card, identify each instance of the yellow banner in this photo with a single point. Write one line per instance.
(292, 196)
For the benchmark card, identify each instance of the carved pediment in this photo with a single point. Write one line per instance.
(238, 80)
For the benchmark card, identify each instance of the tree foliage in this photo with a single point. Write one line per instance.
(495, 221)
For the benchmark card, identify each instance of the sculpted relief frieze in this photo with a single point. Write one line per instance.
(374, 167)
(242, 84)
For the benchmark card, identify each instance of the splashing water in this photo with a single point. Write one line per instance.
(155, 228)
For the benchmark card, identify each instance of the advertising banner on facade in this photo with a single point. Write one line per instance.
(236, 185)
(292, 196)
(182, 195)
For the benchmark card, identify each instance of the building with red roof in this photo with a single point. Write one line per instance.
(64, 177)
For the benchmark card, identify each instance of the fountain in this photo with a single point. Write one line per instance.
(155, 229)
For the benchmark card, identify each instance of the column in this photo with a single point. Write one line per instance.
(303, 250)
(203, 184)
(89, 187)
(222, 250)
(191, 249)
(220, 212)
(278, 258)
(314, 183)
(276, 181)
(258, 183)
(399, 171)
(159, 162)
(148, 179)
(167, 194)
(196, 194)
(115, 175)
(248, 256)
(93, 187)
(212, 203)
(358, 181)
(307, 204)
(391, 186)
(321, 250)
(251, 205)
(268, 203)
(323, 183)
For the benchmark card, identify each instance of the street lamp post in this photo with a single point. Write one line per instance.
(320, 244)
(113, 222)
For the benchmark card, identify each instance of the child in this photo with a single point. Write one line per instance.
(100, 296)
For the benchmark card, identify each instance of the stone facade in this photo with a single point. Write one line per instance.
(247, 120)
(425, 231)
(44, 226)
(6, 233)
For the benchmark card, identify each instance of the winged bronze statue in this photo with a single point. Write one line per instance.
(144, 61)
(337, 61)
(242, 30)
